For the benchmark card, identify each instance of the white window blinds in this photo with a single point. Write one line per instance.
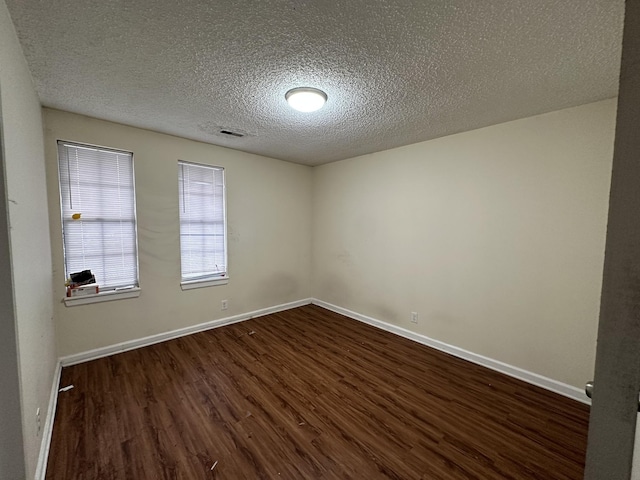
(98, 214)
(203, 246)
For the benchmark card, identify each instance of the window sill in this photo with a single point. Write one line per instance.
(191, 284)
(103, 297)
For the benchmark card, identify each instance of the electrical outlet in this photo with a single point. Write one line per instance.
(38, 423)
(224, 304)
(414, 317)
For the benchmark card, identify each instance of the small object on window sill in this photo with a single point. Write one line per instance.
(76, 216)
(81, 277)
(84, 277)
(82, 290)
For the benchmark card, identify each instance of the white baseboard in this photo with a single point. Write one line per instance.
(516, 372)
(519, 373)
(162, 337)
(47, 431)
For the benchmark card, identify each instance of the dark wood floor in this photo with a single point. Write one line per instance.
(302, 394)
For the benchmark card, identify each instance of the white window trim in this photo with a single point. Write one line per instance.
(217, 280)
(113, 294)
(107, 296)
(202, 283)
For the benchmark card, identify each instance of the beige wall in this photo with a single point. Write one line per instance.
(268, 212)
(30, 249)
(494, 236)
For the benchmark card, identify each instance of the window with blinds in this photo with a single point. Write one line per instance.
(98, 214)
(203, 243)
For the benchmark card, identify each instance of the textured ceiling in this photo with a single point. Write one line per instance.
(396, 72)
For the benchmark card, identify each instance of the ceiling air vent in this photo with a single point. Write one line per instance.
(232, 134)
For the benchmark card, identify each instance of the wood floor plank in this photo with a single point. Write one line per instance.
(307, 393)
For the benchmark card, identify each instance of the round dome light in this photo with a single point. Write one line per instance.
(305, 99)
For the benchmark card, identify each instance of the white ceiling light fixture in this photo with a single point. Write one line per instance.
(306, 99)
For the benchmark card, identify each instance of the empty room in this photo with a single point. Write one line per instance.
(319, 239)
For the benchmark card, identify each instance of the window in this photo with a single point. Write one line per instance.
(98, 214)
(203, 242)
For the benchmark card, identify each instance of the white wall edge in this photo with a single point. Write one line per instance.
(47, 431)
(170, 335)
(533, 378)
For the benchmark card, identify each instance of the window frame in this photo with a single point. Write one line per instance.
(112, 293)
(213, 279)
